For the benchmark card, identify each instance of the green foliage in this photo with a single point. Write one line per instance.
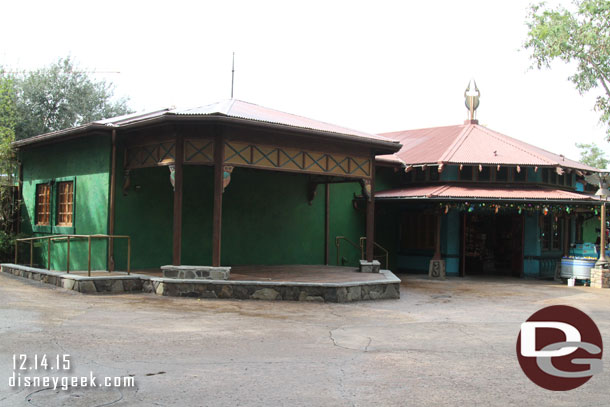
(592, 155)
(7, 157)
(61, 96)
(582, 37)
(8, 116)
(7, 247)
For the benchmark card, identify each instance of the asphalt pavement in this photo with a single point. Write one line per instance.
(443, 343)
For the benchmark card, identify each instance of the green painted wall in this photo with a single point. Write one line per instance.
(534, 176)
(266, 219)
(450, 173)
(86, 161)
(590, 229)
(531, 247)
(450, 242)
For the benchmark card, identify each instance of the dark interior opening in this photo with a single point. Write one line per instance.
(492, 244)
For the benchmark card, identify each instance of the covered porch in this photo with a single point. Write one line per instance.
(211, 189)
(521, 231)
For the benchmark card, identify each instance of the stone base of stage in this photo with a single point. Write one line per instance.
(288, 283)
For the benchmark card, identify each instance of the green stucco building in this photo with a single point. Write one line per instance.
(226, 184)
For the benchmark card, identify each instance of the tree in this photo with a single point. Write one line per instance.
(7, 161)
(592, 155)
(581, 37)
(62, 96)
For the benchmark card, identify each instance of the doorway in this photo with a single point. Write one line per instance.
(492, 245)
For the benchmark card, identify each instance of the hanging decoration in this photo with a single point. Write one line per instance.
(520, 208)
(172, 175)
(226, 176)
(126, 182)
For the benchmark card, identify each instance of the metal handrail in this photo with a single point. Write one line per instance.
(385, 256)
(338, 245)
(54, 238)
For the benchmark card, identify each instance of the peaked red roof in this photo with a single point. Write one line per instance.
(491, 192)
(234, 110)
(250, 111)
(472, 143)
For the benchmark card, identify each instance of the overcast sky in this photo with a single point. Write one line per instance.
(375, 66)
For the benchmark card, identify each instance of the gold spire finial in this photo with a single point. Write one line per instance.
(472, 95)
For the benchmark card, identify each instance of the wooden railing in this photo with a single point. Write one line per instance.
(362, 248)
(338, 240)
(67, 238)
(385, 255)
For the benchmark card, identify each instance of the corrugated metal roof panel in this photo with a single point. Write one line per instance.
(474, 144)
(231, 108)
(249, 111)
(449, 191)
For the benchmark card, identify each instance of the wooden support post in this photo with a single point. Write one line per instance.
(602, 262)
(89, 258)
(566, 236)
(219, 153)
(326, 221)
(128, 255)
(463, 247)
(19, 197)
(177, 231)
(49, 253)
(68, 256)
(31, 253)
(370, 216)
(16, 250)
(437, 248)
(112, 199)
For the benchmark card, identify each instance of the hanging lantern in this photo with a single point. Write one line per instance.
(446, 209)
(497, 209)
(545, 211)
(471, 208)
(519, 210)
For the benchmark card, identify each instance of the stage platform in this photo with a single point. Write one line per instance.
(278, 282)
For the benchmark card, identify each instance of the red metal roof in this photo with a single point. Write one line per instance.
(471, 143)
(233, 109)
(458, 192)
(250, 111)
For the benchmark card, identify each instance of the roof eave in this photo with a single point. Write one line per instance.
(481, 199)
(378, 146)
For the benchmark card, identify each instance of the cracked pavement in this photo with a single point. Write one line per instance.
(443, 343)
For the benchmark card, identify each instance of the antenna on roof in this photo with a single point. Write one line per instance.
(472, 95)
(232, 75)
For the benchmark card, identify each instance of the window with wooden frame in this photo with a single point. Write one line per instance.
(502, 174)
(484, 174)
(467, 173)
(418, 231)
(65, 203)
(420, 174)
(545, 175)
(521, 175)
(551, 234)
(43, 204)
